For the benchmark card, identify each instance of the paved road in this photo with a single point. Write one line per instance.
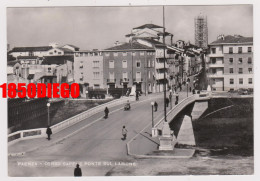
(99, 143)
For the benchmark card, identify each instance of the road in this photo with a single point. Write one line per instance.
(100, 142)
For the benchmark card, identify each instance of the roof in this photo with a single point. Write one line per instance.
(56, 60)
(152, 41)
(129, 46)
(166, 34)
(151, 26)
(71, 46)
(65, 49)
(27, 57)
(233, 39)
(31, 49)
(128, 35)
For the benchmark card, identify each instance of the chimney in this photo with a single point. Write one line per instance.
(221, 37)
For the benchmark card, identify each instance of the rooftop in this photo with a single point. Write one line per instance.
(233, 39)
(56, 60)
(151, 26)
(31, 49)
(129, 46)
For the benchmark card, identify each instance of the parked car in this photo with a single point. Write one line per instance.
(242, 91)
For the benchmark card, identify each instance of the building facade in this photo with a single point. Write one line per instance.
(230, 65)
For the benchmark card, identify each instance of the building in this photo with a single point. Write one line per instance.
(130, 65)
(230, 65)
(201, 31)
(88, 70)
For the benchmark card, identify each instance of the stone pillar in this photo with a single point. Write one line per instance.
(166, 140)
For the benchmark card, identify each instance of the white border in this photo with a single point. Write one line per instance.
(33, 3)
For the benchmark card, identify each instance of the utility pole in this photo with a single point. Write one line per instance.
(164, 67)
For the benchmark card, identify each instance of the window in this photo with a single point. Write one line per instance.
(111, 75)
(96, 64)
(96, 75)
(231, 70)
(214, 71)
(141, 53)
(81, 65)
(125, 76)
(249, 49)
(240, 70)
(231, 60)
(152, 63)
(124, 53)
(51, 53)
(49, 69)
(249, 61)
(107, 54)
(231, 81)
(81, 78)
(59, 53)
(124, 64)
(133, 53)
(213, 50)
(138, 64)
(240, 60)
(96, 86)
(239, 49)
(111, 64)
(213, 60)
(138, 75)
(241, 81)
(149, 63)
(250, 80)
(230, 50)
(250, 70)
(149, 74)
(115, 54)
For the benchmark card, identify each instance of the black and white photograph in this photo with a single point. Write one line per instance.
(129, 90)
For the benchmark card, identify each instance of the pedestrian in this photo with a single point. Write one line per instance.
(170, 96)
(155, 106)
(193, 91)
(48, 132)
(137, 95)
(124, 133)
(167, 101)
(106, 112)
(77, 171)
(175, 88)
(177, 96)
(180, 87)
(190, 89)
(176, 102)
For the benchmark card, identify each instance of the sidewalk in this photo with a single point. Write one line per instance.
(24, 146)
(144, 145)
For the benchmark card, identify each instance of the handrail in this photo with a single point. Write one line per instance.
(40, 132)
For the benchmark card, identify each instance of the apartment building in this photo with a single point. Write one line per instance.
(230, 65)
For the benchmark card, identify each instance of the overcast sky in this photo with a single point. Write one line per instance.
(99, 27)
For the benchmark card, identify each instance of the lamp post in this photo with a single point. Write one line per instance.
(187, 83)
(152, 103)
(48, 109)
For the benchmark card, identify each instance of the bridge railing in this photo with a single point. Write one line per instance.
(172, 113)
(41, 132)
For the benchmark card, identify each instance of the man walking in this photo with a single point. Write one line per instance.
(77, 171)
(48, 132)
(177, 96)
(106, 112)
(167, 101)
(124, 133)
(155, 106)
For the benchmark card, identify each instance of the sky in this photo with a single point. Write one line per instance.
(100, 27)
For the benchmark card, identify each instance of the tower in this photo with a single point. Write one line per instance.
(201, 31)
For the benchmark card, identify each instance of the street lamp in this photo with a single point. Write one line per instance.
(48, 108)
(152, 103)
(187, 83)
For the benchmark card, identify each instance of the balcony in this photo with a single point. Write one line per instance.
(138, 80)
(217, 75)
(161, 65)
(111, 81)
(124, 80)
(160, 76)
(216, 55)
(216, 65)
